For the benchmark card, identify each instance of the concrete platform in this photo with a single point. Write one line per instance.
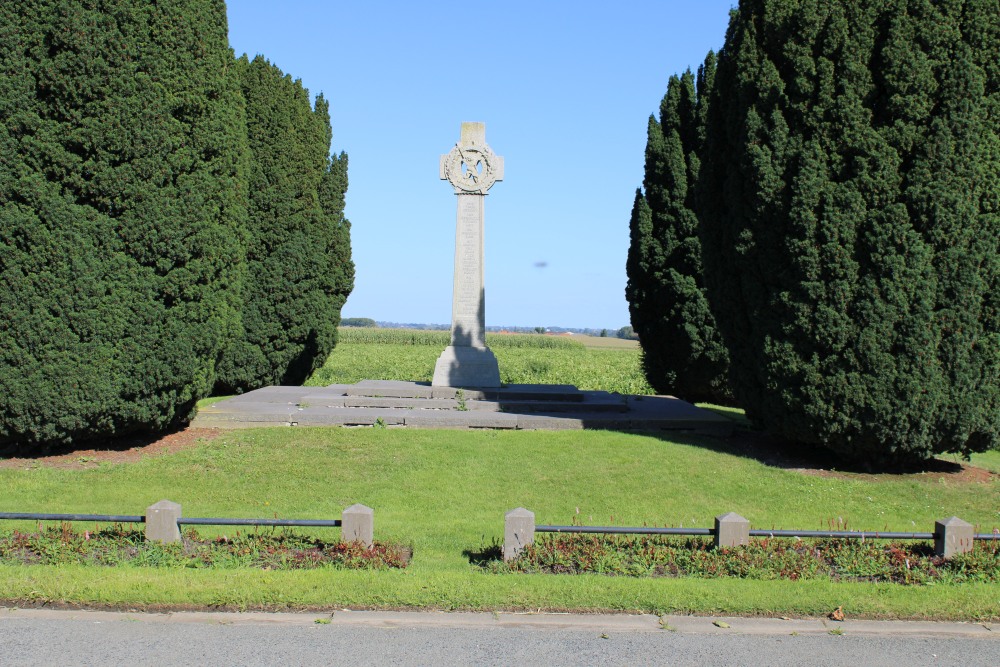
(419, 405)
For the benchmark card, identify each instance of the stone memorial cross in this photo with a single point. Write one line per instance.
(472, 168)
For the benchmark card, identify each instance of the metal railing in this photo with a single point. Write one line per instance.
(184, 520)
(950, 537)
(832, 534)
(164, 519)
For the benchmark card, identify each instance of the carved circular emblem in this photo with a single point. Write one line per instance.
(471, 169)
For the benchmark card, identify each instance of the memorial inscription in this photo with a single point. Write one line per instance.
(472, 168)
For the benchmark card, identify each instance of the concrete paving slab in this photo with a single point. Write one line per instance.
(402, 403)
(560, 406)
(542, 621)
(275, 394)
(390, 389)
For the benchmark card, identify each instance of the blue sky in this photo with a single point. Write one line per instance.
(564, 88)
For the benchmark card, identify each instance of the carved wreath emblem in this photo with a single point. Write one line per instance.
(471, 169)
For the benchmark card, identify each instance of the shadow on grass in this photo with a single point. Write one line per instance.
(102, 444)
(777, 452)
(486, 554)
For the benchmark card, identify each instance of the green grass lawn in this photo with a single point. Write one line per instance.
(445, 492)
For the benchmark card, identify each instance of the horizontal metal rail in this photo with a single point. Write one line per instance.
(843, 534)
(621, 530)
(326, 523)
(832, 534)
(34, 516)
(122, 518)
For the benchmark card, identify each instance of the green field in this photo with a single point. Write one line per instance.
(445, 493)
(404, 354)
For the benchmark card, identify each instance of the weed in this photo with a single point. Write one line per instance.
(836, 632)
(460, 397)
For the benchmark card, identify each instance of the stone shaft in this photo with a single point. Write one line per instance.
(468, 306)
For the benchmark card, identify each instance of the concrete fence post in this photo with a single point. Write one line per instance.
(357, 524)
(518, 531)
(161, 522)
(952, 536)
(731, 530)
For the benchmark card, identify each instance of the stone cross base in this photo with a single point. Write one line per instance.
(460, 366)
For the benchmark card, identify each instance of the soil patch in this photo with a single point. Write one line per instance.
(122, 450)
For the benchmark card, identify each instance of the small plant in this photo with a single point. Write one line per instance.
(460, 398)
(873, 561)
(120, 547)
(379, 423)
(836, 632)
(322, 621)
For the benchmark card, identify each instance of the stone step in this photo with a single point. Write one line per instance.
(366, 404)
(562, 393)
(387, 402)
(560, 406)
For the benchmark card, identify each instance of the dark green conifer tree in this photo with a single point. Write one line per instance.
(682, 351)
(850, 205)
(332, 199)
(122, 150)
(298, 249)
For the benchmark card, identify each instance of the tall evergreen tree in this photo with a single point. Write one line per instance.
(850, 204)
(683, 352)
(122, 186)
(332, 199)
(298, 252)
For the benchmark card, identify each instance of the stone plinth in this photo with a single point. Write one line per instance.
(518, 531)
(466, 367)
(952, 536)
(357, 524)
(731, 530)
(161, 522)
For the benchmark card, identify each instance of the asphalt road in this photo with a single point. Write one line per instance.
(55, 637)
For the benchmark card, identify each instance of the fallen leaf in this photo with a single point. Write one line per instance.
(837, 614)
(720, 624)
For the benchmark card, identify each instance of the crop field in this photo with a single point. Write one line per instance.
(403, 354)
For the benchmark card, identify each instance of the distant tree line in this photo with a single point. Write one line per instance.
(818, 231)
(358, 322)
(170, 219)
